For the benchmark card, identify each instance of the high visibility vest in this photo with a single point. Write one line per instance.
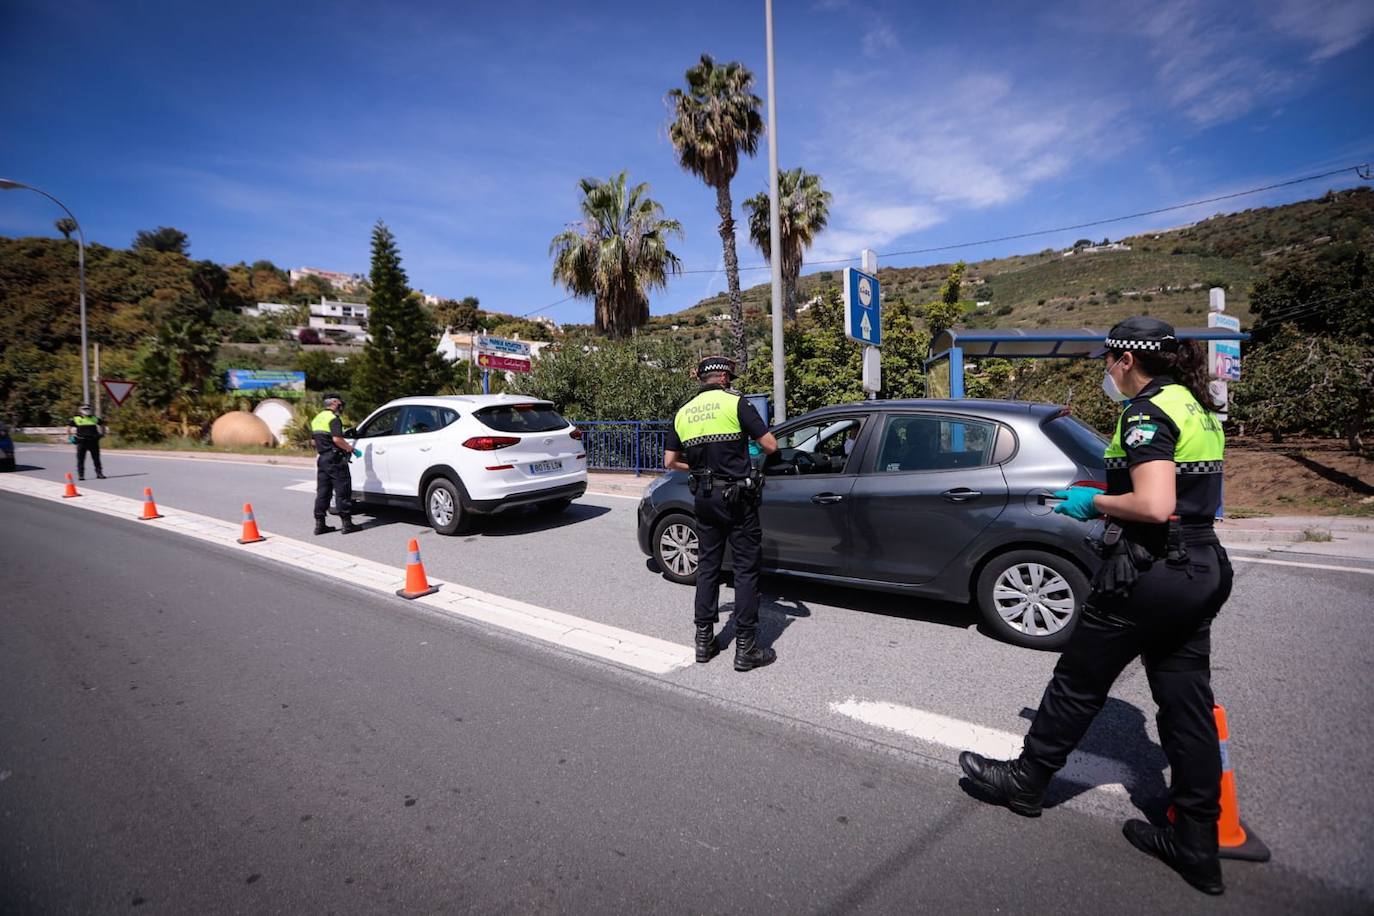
(1201, 444)
(320, 425)
(711, 416)
(85, 421)
(87, 428)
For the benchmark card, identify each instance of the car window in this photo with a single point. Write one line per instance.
(826, 447)
(522, 418)
(930, 443)
(1079, 441)
(383, 424)
(423, 418)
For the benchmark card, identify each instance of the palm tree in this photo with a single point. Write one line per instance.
(616, 253)
(714, 120)
(803, 209)
(66, 225)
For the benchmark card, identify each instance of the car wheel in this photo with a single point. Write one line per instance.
(1032, 597)
(675, 548)
(444, 507)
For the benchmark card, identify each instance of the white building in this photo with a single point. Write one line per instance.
(267, 308)
(350, 318)
(344, 283)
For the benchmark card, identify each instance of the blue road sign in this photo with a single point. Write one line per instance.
(863, 308)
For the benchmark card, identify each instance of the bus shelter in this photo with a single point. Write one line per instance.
(945, 367)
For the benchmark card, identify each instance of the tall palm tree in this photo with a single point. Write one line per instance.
(714, 120)
(803, 209)
(66, 225)
(616, 253)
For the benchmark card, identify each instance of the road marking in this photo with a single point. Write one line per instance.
(302, 486)
(1354, 569)
(612, 495)
(1100, 774)
(633, 650)
(116, 453)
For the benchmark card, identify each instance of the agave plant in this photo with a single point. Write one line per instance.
(803, 209)
(616, 253)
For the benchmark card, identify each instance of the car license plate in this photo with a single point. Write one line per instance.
(546, 467)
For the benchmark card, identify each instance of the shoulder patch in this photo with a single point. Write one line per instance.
(1142, 434)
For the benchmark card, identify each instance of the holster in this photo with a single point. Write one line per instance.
(700, 483)
(1123, 560)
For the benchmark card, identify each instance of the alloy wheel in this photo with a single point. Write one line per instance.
(441, 507)
(678, 549)
(1033, 599)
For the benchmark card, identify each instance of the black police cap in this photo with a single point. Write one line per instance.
(716, 364)
(1139, 333)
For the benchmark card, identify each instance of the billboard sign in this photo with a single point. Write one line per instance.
(503, 363)
(501, 345)
(1223, 356)
(284, 384)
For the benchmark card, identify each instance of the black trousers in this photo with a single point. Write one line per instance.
(331, 477)
(86, 447)
(738, 524)
(1166, 622)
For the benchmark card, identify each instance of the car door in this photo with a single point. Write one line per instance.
(414, 447)
(369, 472)
(928, 487)
(804, 512)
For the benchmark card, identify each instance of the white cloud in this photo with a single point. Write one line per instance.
(1333, 26)
(879, 39)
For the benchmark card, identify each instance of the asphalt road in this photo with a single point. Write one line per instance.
(1292, 661)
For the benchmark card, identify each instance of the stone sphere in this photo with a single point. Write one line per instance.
(241, 428)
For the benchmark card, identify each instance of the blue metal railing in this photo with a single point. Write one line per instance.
(624, 445)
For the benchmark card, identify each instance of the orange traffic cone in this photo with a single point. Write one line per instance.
(417, 585)
(149, 507)
(1234, 839)
(71, 488)
(250, 526)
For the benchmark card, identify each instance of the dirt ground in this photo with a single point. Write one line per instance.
(1297, 477)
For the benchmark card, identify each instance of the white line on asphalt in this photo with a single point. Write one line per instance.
(114, 452)
(634, 650)
(1354, 569)
(302, 486)
(611, 495)
(1101, 774)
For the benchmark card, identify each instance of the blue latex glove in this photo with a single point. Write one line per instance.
(71, 440)
(357, 453)
(1077, 503)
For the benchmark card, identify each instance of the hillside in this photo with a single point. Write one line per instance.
(1165, 274)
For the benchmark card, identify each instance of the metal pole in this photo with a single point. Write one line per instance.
(95, 348)
(775, 230)
(8, 185)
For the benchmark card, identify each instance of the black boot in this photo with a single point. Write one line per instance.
(100, 475)
(1018, 784)
(321, 527)
(706, 643)
(1189, 847)
(748, 655)
(348, 526)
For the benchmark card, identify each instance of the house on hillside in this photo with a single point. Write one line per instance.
(340, 319)
(267, 308)
(344, 283)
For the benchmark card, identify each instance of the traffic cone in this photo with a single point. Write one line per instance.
(71, 488)
(250, 526)
(149, 507)
(417, 586)
(1234, 839)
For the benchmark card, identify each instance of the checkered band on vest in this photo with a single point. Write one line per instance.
(1118, 344)
(717, 437)
(1116, 463)
(1198, 467)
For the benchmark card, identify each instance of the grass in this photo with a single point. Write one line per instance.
(1317, 535)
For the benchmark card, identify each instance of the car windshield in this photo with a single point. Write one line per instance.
(522, 418)
(1078, 440)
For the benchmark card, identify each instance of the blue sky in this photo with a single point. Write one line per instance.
(284, 130)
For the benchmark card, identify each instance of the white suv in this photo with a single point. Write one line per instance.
(459, 456)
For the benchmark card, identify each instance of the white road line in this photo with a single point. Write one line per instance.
(1354, 569)
(107, 454)
(634, 650)
(302, 486)
(1101, 774)
(612, 495)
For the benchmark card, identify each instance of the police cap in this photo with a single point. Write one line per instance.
(716, 364)
(1139, 333)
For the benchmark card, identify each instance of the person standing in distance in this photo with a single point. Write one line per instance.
(1164, 577)
(710, 440)
(85, 431)
(331, 466)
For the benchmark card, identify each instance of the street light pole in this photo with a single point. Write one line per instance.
(775, 230)
(8, 185)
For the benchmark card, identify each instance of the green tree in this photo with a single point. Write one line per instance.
(175, 362)
(945, 312)
(401, 357)
(803, 210)
(459, 314)
(643, 378)
(616, 253)
(715, 119)
(1329, 295)
(163, 239)
(66, 225)
(211, 283)
(311, 288)
(322, 373)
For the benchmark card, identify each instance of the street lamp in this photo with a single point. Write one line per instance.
(775, 229)
(8, 185)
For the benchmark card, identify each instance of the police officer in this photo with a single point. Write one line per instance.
(1164, 577)
(710, 439)
(85, 431)
(331, 467)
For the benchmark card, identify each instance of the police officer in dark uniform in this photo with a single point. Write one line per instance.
(85, 431)
(1164, 577)
(710, 439)
(331, 466)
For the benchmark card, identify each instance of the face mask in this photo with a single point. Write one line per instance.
(1110, 388)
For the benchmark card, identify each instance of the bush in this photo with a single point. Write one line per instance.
(141, 424)
(308, 336)
(297, 432)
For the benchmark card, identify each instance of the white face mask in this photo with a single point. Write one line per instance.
(1109, 387)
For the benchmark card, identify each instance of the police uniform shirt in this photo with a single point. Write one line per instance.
(324, 442)
(1164, 422)
(729, 457)
(86, 427)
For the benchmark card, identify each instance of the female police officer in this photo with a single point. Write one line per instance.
(1164, 577)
